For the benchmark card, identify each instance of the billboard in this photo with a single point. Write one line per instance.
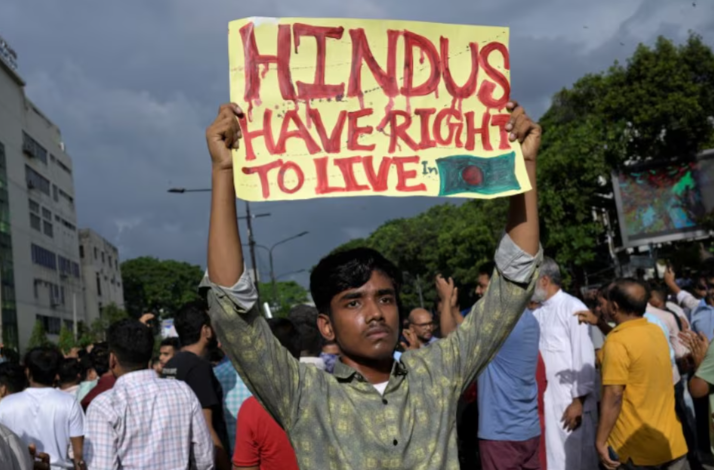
(662, 202)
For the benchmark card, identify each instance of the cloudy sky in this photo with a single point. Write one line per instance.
(133, 84)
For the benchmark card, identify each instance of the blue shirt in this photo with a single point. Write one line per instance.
(507, 388)
(703, 319)
(234, 394)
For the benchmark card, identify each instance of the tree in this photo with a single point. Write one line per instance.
(38, 337)
(290, 293)
(160, 286)
(66, 339)
(109, 314)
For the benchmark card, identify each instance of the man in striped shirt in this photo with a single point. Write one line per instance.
(144, 421)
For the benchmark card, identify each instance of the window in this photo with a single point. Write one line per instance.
(44, 257)
(33, 149)
(116, 264)
(55, 193)
(99, 285)
(110, 261)
(62, 295)
(81, 251)
(47, 214)
(47, 228)
(61, 165)
(36, 180)
(34, 207)
(96, 255)
(66, 197)
(75, 270)
(52, 325)
(102, 256)
(36, 222)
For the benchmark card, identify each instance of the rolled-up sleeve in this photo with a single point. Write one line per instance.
(463, 354)
(269, 371)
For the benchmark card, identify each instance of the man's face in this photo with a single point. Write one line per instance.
(422, 324)
(482, 284)
(364, 321)
(604, 307)
(165, 354)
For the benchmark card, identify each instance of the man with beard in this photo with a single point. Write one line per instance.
(569, 355)
(191, 365)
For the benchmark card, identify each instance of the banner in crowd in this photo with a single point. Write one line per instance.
(344, 107)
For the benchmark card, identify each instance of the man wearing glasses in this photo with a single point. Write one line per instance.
(421, 328)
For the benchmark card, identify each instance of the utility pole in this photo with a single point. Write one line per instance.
(251, 243)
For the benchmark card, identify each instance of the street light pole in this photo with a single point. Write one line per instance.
(251, 242)
(272, 271)
(249, 219)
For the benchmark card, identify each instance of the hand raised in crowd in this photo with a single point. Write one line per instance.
(523, 129)
(573, 416)
(41, 460)
(146, 318)
(446, 290)
(224, 135)
(586, 316)
(412, 343)
(698, 344)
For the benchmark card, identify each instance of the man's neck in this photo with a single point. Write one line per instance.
(198, 349)
(34, 384)
(552, 290)
(374, 372)
(67, 386)
(624, 319)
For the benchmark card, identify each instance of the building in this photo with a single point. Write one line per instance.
(101, 273)
(39, 248)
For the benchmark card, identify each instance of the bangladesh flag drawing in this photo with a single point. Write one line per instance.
(468, 174)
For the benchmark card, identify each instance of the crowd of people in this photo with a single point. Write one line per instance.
(529, 377)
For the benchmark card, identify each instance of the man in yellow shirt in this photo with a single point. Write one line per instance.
(638, 426)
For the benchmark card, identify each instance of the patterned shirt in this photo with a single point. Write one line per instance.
(341, 421)
(234, 394)
(147, 422)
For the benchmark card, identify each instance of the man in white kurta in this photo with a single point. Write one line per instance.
(569, 356)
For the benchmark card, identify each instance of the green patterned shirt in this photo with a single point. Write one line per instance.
(341, 421)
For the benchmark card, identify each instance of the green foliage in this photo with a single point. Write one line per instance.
(110, 314)
(160, 286)
(289, 294)
(653, 108)
(447, 239)
(66, 339)
(38, 337)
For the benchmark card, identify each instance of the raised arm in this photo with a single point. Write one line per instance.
(467, 350)
(267, 369)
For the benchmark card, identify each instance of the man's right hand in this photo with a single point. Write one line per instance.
(224, 135)
(586, 316)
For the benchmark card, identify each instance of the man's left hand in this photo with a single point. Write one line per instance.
(524, 130)
(573, 416)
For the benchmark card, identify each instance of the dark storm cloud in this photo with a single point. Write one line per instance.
(133, 84)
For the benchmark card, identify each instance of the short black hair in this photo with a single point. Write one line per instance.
(12, 376)
(43, 363)
(173, 342)
(346, 270)
(287, 334)
(132, 343)
(71, 371)
(487, 269)
(631, 295)
(190, 320)
(304, 317)
(99, 358)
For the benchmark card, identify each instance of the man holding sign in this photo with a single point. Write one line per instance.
(373, 412)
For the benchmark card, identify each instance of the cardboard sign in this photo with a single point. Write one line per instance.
(344, 107)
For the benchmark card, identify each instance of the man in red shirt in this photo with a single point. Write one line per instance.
(100, 360)
(261, 444)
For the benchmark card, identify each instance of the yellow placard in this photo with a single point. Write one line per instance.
(345, 107)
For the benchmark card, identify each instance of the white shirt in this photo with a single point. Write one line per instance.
(147, 422)
(47, 418)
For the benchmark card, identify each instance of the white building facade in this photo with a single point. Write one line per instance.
(39, 246)
(101, 273)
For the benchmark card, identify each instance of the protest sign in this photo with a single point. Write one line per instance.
(344, 107)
